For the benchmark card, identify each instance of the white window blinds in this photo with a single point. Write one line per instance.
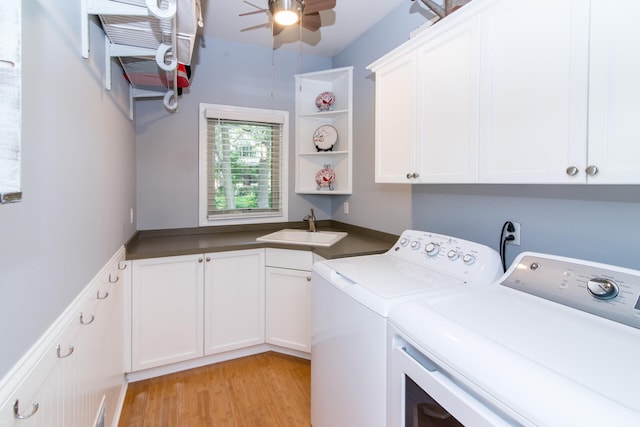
(243, 172)
(10, 101)
(243, 165)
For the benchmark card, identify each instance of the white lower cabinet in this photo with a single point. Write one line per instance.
(234, 300)
(167, 310)
(193, 306)
(288, 303)
(288, 308)
(187, 307)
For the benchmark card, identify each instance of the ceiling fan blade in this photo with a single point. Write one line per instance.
(313, 6)
(260, 9)
(255, 27)
(255, 12)
(251, 4)
(311, 21)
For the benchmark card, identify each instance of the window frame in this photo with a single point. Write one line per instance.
(11, 102)
(230, 112)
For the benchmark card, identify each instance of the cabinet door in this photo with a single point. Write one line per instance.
(448, 106)
(289, 308)
(395, 116)
(614, 94)
(533, 99)
(234, 300)
(167, 310)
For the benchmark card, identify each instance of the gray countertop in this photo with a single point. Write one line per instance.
(187, 241)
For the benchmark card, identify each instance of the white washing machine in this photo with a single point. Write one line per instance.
(553, 342)
(351, 299)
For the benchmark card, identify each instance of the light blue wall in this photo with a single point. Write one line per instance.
(167, 144)
(380, 206)
(581, 221)
(600, 223)
(78, 177)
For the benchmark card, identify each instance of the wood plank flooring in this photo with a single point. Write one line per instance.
(268, 389)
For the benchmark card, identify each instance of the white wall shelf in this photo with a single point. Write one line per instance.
(308, 159)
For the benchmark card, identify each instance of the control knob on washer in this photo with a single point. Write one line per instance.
(469, 259)
(432, 249)
(415, 245)
(453, 255)
(602, 288)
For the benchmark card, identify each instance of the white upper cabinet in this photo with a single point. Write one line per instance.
(534, 82)
(529, 91)
(396, 120)
(448, 106)
(427, 107)
(614, 94)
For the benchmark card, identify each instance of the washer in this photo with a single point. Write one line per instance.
(554, 342)
(351, 299)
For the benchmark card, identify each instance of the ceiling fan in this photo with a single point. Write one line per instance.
(283, 13)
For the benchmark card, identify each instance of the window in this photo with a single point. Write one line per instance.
(10, 101)
(243, 165)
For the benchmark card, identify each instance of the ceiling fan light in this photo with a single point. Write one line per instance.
(286, 17)
(285, 12)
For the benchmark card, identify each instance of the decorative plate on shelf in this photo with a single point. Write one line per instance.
(325, 137)
(325, 101)
(325, 178)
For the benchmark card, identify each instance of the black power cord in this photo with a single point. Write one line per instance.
(507, 227)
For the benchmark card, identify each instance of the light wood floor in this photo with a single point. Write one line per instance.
(268, 389)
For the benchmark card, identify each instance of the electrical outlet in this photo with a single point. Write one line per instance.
(515, 234)
(345, 207)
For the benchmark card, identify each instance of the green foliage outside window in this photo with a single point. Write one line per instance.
(243, 159)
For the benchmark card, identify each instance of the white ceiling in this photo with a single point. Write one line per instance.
(340, 26)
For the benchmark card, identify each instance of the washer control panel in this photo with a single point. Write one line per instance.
(458, 258)
(604, 290)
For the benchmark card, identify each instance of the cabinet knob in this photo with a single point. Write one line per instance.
(572, 171)
(200, 260)
(409, 175)
(591, 170)
(308, 278)
(416, 174)
(208, 259)
(412, 175)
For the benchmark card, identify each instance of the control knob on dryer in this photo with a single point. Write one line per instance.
(601, 288)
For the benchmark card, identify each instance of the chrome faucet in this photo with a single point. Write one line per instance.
(311, 219)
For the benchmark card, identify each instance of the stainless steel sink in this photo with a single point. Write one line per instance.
(303, 237)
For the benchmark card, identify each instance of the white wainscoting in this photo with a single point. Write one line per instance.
(77, 366)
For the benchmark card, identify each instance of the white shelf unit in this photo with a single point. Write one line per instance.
(308, 118)
(150, 38)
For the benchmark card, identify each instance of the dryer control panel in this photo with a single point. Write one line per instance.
(604, 290)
